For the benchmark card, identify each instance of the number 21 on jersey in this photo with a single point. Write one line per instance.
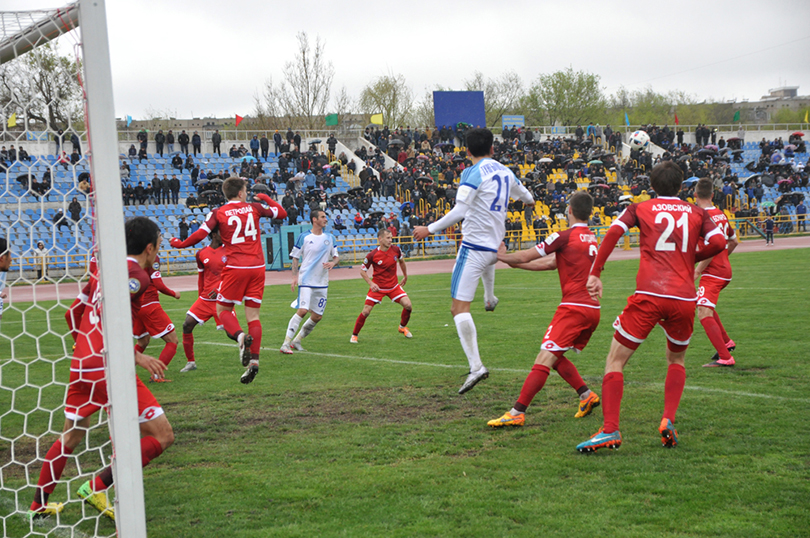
(250, 229)
(663, 244)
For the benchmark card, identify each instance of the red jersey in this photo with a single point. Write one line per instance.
(720, 267)
(238, 224)
(575, 249)
(210, 262)
(157, 285)
(670, 229)
(385, 266)
(88, 357)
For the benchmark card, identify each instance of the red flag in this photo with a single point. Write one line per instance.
(238, 120)
(676, 119)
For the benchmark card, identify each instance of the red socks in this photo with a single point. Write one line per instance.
(612, 391)
(361, 320)
(230, 323)
(169, 350)
(150, 449)
(52, 467)
(673, 389)
(255, 330)
(570, 374)
(188, 346)
(716, 337)
(533, 384)
(723, 332)
(139, 349)
(404, 318)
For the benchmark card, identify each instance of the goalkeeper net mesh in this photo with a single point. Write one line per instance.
(47, 219)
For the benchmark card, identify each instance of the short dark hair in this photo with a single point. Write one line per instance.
(314, 214)
(232, 186)
(704, 189)
(140, 232)
(3, 247)
(479, 142)
(581, 205)
(666, 179)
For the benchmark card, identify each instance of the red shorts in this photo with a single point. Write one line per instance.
(153, 321)
(203, 310)
(395, 294)
(709, 290)
(241, 285)
(571, 327)
(643, 312)
(86, 397)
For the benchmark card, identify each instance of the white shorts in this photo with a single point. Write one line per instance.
(312, 299)
(470, 265)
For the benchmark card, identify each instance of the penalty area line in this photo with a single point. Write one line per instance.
(741, 394)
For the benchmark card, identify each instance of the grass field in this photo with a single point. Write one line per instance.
(373, 440)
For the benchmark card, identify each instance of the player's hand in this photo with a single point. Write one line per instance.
(594, 287)
(420, 232)
(176, 294)
(4, 294)
(502, 249)
(698, 274)
(404, 280)
(294, 283)
(328, 265)
(175, 243)
(150, 364)
(212, 295)
(374, 287)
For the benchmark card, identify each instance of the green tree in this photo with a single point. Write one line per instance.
(567, 97)
(391, 95)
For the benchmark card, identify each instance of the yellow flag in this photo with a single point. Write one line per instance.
(376, 119)
(805, 116)
(12, 120)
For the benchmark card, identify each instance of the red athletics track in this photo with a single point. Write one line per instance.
(68, 291)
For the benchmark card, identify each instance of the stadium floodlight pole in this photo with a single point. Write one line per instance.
(130, 510)
(48, 28)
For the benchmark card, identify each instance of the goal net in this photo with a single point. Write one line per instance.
(58, 139)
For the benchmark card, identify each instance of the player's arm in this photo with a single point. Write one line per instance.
(201, 233)
(733, 241)
(200, 275)
(546, 263)
(74, 313)
(332, 264)
(452, 218)
(364, 273)
(294, 273)
(161, 286)
(714, 240)
(154, 366)
(275, 210)
(404, 270)
(523, 193)
(620, 226)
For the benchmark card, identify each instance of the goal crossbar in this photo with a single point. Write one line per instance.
(51, 26)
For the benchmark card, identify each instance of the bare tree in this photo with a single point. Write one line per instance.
(390, 95)
(159, 119)
(303, 94)
(423, 114)
(501, 95)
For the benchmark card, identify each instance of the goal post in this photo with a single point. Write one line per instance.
(35, 344)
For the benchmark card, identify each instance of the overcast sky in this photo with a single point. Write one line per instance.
(209, 57)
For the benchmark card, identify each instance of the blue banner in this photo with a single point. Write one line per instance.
(36, 136)
(512, 121)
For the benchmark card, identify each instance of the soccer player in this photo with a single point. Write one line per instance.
(384, 283)
(5, 263)
(75, 311)
(714, 275)
(577, 316)
(482, 201)
(210, 261)
(153, 322)
(669, 230)
(243, 274)
(87, 390)
(318, 254)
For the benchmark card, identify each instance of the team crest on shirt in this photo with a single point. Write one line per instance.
(224, 259)
(156, 266)
(134, 285)
(326, 243)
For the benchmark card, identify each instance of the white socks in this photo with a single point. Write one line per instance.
(306, 329)
(488, 278)
(292, 327)
(469, 339)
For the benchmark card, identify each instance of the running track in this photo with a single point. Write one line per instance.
(68, 291)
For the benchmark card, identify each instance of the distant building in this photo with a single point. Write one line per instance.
(765, 110)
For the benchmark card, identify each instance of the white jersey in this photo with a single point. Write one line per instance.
(486, 188)
(312, 251)
(2, 287)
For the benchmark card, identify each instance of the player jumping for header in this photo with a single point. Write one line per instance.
(669, 230)
(384, 283)
(482, 201)
(577, 316)
(318, 253)
(243, 274)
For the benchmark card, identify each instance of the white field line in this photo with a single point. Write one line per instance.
(44, 525)
(741, 394)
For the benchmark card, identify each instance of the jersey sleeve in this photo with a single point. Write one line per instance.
(299, 244)
(334, 246)
(397, 252)
(468, 187)
(368, 261)
(210, 224)
(138, 282)
(553, 243)
(200, 273)
(709, 228)
(628, 218)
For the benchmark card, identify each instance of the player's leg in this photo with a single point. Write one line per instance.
(292, 326)
(678, 321)
(309, 324)
(229, 321)
(188, 342)
(361, 319)
(467, 271)
(55, 460)
(143, 342)
(588, 399)
(488, 279)
(715, 335)
(405, 317)
(730, 345)
(531, 386)
(170, 349)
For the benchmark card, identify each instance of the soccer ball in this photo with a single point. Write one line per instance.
(639, 140)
